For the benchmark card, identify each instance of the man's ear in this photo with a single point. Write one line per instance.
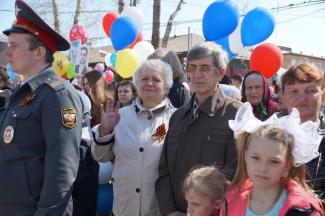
(222, 73)
(40, 53)
(218, 204)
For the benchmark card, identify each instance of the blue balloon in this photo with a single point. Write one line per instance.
(113, 59)
(257, 26)
(123, 32)
(9, 71)
(104, 199)
(224, 42)
(219, 20)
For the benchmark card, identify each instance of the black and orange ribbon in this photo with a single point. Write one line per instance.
(160, 133)
(27, 99)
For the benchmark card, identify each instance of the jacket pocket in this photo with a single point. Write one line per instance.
(18, 120)
(215, 146)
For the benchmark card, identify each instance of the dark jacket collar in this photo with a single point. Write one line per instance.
(211, 105)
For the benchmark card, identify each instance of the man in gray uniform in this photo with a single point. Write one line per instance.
(40, 126)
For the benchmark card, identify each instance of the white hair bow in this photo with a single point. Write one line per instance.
(306, 136)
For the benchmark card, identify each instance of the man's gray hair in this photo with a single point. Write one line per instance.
(155, 65)
(218, 54)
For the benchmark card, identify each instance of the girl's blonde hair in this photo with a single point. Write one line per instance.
(207, 181)
(269, 132)
(99, 90)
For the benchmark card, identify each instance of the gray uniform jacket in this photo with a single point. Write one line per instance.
(40, 132)
(203, 140)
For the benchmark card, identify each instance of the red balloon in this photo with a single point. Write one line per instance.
(78, 32)
(109, 75)
(266, 58)
(108, 19)
(138, 39)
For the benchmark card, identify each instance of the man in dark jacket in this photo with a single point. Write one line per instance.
(41, 125)
(198, 132)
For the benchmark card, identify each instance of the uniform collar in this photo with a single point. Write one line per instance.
(40, 78)
(211, 105)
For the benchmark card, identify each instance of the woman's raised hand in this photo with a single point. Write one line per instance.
(109, 117)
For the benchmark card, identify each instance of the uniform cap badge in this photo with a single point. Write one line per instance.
(69, 117)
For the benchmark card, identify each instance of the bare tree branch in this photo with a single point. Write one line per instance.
(155, 23)
(170, 23)
(120, 6)
(77, 14)
(56, 16)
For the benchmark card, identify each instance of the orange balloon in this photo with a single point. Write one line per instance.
(266, 58)
(138, 39)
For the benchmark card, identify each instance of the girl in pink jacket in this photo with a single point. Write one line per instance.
(270, 175)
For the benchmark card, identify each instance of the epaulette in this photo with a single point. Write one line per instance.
(55, 84)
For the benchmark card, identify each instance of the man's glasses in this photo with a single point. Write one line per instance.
(202, 68)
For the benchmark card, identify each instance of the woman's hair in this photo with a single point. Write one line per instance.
(302, 73)
(126, 83)
(99, 91)
(266, 103)
(207, 181)
(273, 133)
(171, 58)
(155, 65)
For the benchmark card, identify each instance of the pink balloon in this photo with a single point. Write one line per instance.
(78, 32)
(109, 76)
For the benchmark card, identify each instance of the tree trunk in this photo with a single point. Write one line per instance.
(77, 14)
(120, 6)
(56, 17)
(155, 23)
(170, 24)
(133, 3)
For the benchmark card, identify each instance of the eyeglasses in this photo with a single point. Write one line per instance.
(202, 68)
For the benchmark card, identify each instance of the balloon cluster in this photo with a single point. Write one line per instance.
(105, 189)
(222, 24)
(125, 33)
(78, 32)
(62, 66)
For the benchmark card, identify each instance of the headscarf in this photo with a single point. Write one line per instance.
(266, 107)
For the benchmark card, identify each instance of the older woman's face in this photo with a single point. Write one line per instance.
(254, 89)
(151, 87)
(306, 97)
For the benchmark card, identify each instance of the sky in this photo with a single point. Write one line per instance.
(302, 29)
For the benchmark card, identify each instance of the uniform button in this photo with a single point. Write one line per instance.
(141, 149)
(15, 115)
(138, 190)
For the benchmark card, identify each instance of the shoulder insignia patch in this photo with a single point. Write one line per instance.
(55, 84)
(69, 117)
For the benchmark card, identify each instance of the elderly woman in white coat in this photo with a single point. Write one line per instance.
(135, 136)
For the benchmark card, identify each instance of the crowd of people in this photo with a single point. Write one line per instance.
(181, 140)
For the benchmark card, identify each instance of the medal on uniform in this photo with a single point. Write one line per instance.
(160, 133)
(8, 134)
(27, 99)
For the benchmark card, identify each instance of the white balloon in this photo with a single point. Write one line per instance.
(235, 43)
(143, 49)
(107, 59)
(105, 172)
(136, 15)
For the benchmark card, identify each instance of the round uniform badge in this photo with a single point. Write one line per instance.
(8, 135)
